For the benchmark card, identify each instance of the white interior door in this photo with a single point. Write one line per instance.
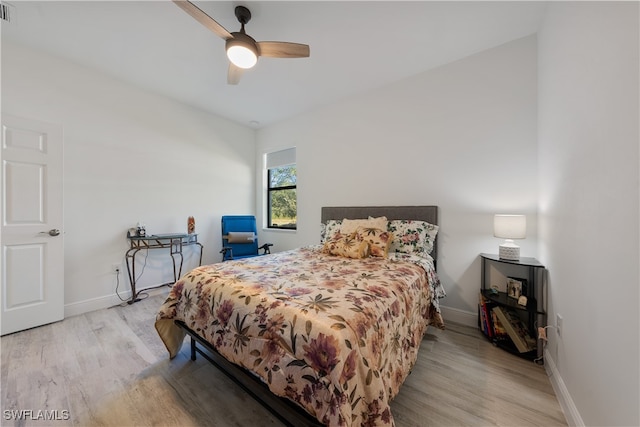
(31, 232)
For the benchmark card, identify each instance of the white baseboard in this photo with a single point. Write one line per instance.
(467, 318)
(106, 301)
(562, 393)
(93, 304)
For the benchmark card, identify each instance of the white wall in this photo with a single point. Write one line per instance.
(589, 201)
(462, 136)
(129, 156)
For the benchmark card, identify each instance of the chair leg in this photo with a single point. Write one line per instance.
(227, 250)
(266, 248)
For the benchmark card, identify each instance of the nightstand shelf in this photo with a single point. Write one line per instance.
(502, 299)
(529, 272)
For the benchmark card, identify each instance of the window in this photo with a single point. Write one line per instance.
(282, 206)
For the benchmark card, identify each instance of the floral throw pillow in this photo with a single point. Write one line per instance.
(329, 229)
(346, 246)
(379, 240)
(351, 225)
(412, 236)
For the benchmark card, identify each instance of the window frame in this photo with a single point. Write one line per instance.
(271, 190)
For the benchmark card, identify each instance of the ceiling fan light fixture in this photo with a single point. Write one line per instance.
(242, 51)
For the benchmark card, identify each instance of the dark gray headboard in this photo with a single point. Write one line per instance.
(422, 213)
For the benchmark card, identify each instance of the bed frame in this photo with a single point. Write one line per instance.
(287, 411)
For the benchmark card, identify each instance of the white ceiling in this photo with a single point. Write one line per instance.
(355, 46)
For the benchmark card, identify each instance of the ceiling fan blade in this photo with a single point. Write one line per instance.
(199, 15)
(234, 74)
(283, 50)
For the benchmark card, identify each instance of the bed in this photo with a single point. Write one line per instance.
(324, 334)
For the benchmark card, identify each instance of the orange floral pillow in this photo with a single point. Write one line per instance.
(379, 240)
(347, 246)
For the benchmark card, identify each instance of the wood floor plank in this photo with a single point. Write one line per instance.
(110, 368)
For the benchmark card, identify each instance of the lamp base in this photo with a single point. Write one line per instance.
(509, 251)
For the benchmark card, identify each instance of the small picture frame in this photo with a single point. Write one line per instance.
(516, 287)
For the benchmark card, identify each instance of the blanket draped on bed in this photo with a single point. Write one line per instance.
(336, 335)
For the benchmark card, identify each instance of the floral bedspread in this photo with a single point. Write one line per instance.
(336, 335)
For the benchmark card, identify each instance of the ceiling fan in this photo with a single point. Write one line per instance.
(242, 50)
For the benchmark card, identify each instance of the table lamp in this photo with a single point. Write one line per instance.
(510, 227)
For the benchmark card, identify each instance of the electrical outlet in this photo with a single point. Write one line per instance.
(115, 268)
(559, 324)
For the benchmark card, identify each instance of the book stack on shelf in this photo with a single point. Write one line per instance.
(504, 328)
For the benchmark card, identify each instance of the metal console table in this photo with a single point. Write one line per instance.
(173, 242)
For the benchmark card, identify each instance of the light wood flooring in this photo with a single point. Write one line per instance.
(109, 368)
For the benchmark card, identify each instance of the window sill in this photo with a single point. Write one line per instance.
(279, 230)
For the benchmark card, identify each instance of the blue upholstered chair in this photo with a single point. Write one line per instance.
(240, 238)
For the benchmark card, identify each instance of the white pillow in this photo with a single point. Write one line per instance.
(241, 237)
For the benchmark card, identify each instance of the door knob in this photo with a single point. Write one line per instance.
(53, 232)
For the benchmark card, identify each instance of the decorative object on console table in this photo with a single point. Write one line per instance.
(531, 312)
(510, 227)
(141, 230)
(191, 225)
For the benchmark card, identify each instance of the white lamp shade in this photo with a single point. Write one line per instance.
(241, 57)
(242, 51)
(510, 226)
